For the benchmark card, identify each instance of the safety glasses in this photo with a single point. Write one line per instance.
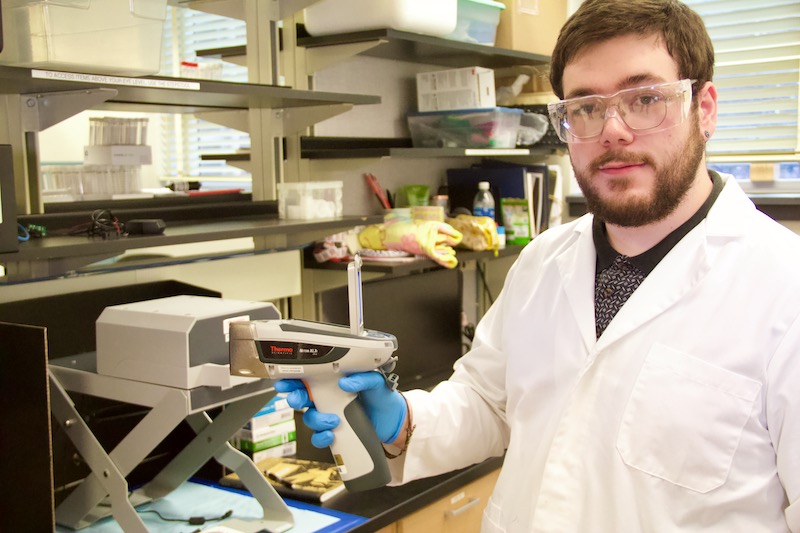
(644, 110)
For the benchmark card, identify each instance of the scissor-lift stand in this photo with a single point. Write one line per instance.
(169, 406)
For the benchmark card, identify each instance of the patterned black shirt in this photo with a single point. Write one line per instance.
(617, 275)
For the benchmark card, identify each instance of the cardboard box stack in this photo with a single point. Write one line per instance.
(270, 433)
(531, 25)
(458, 109)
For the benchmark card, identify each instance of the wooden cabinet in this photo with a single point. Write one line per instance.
(458, 512)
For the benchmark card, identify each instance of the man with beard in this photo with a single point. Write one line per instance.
(640, 369)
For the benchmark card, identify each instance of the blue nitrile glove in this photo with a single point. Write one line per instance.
(385, 408)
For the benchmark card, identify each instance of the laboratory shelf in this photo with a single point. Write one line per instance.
(416, 48)
(355, 147)
(347, 147)
(173, 94)
(405, 46)
(237, 157)
(223, 52)
(332, 148)
(458, 152)
(81, 245)
(402, 268)
(60, 254)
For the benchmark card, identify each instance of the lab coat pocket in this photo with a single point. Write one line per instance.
(684, 419)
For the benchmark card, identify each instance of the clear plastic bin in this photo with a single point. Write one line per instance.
(469, 128)
(93, 36)
(477, 21)
(429, 17)
(310, 200)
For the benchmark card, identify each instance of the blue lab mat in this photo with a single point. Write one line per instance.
(196, 498)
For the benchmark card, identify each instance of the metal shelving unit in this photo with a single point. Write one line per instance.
(169, 94)
(416, 48)
(366, 147)
(35, 99)
(395, 45)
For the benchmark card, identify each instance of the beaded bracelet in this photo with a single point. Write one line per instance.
(411, 427)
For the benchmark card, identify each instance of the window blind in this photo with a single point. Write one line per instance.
(185, 137)
(757, 75)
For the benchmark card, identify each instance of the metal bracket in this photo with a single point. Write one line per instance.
(242, 165)
(237, 119)
(40, 111)
(240, 59)
(297, 119)
(227, 8)
(287, 8)
(318, 58)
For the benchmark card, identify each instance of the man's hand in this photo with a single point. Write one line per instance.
(385, 408)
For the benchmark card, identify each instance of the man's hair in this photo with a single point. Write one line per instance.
(681, 29)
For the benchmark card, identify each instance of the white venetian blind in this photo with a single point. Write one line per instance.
(757, 75)
(185, 138)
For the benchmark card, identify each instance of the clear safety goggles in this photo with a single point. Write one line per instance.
(644, 110)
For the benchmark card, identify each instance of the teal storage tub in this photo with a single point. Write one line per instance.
(477, 21)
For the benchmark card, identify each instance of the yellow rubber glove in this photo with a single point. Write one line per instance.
(372, 237)
(479, 233)
(420, 237)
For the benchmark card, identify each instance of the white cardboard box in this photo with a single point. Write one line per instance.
(461, 88)
(118, 154)
(261, 422)
(283, 450)
(267, 432)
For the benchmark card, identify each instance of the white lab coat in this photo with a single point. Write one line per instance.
(683, 416)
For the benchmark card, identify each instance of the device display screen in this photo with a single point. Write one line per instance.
(354, 296)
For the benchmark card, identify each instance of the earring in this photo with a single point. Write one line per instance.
(707, 134)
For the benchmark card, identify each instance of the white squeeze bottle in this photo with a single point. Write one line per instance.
(483, 205)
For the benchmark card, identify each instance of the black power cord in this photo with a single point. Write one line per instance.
(193, 520)
(104, 224)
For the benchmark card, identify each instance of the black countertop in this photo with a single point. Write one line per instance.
(387, 505)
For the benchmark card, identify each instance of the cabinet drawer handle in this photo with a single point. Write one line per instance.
(464, 508)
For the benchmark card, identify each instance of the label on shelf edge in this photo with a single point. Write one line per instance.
(115, 80)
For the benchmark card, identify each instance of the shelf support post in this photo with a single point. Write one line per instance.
(36, 113)
(13, 134)
(266, 152)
